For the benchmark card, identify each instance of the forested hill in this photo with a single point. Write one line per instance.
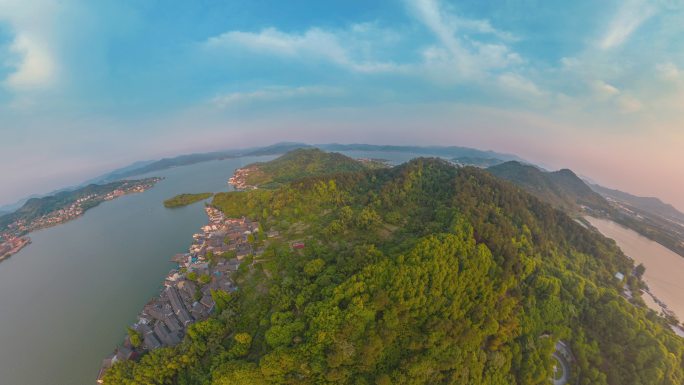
(561, 188)
(418, 274)
(566, 191)
(300, 163)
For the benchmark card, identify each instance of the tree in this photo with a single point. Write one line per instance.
(135, 337)
(639, 270)
(313, 267)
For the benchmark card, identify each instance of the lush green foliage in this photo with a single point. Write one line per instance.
(186, 199)
(135, 337)
(301, 163)
(563, 189)
(420, 274)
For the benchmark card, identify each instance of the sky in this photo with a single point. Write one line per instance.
(595, 86)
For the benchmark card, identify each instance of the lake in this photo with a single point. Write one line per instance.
(67, 298)
(664, 268)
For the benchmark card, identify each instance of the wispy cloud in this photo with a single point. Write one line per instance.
(337, 47)
(604, 90)
(464, 54)
(631, 15)
(273, 94)
(34, 66)
(33, 63)
(520, 85)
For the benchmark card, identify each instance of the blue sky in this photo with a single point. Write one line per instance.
(86, 86)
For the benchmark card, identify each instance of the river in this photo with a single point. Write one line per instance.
(664, 268)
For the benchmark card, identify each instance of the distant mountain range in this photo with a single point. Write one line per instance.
(144, 167)
(477, 161)
(650, 205)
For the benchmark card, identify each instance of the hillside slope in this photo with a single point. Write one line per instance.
(562, 188)
(418, 274)
(650, 205)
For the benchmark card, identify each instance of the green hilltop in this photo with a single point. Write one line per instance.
(422, 273)
(301, 163)
(562, 189)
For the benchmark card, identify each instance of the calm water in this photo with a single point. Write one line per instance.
(664, 268)
(66, 299)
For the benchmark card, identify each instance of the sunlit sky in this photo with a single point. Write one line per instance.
(595, 86)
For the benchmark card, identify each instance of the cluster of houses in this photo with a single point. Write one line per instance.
(239, 178)
(215, 254)
(73, 210)
(12, 246)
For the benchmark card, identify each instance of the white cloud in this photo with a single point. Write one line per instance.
(339, 47)
(36, 66)
(460, 56)
(33, 24)
(631, 15)
(604, 90)
(272, 94)
(519, 85)
(668, 71)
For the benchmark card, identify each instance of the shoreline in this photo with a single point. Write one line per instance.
(188, 293)
(23, 241)
(66, 214)
(239, 178)
(635, 247)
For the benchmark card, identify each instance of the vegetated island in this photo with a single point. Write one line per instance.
(423, 273)
(186, 199)
(39, 213)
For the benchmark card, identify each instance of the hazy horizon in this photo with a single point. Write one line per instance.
(88, 87)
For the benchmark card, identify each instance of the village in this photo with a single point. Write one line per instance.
(215, 254)
(18, 228)
(12, 246)
(239, 178)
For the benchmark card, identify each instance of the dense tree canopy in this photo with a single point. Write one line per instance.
(419, 274)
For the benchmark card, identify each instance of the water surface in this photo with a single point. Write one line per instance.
(664, 268)
(66, 299)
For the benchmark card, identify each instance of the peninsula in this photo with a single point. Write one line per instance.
(39, 213)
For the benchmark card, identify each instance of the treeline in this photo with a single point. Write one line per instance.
(419, 274)
(186, 199)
